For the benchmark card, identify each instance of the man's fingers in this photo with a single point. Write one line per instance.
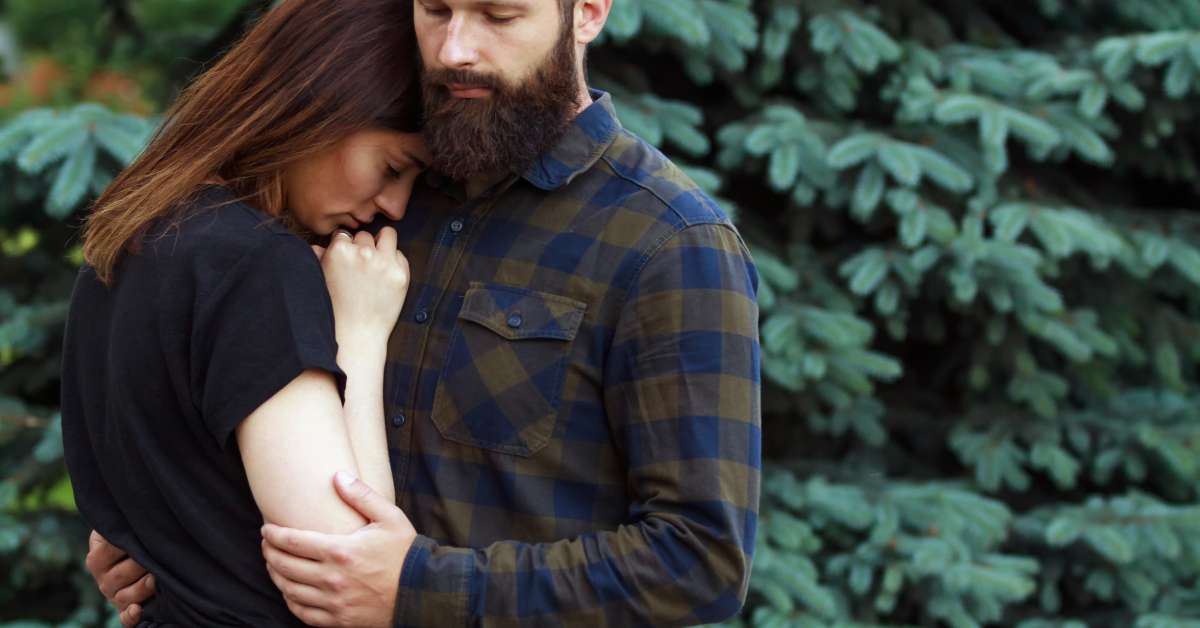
(101, 555)
(386, 240)
(367, 502)
(95, 540)
(302, 543)
(318, 250)
(120, 576)
(311, 616)
(135, 593)
(296, 569)
(131, 616)
(298, 593)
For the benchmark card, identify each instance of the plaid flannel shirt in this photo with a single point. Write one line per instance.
(573, 394)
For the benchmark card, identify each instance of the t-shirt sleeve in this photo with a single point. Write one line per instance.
(266, 319)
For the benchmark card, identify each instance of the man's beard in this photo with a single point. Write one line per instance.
(507, 130)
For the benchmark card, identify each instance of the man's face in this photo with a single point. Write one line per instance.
(499, 82)
(506, 39)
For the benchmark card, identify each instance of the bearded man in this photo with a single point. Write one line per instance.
(573, 387)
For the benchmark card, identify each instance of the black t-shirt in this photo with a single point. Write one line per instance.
(215, 315)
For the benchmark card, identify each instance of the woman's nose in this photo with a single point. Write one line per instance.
(393, 200)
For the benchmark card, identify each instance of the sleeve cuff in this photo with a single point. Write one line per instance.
(435, 586)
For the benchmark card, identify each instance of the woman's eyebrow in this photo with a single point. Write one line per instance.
(413, 158)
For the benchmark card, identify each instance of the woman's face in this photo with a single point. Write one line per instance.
(344, 187)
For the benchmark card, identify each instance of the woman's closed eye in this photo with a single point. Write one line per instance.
(438, 12)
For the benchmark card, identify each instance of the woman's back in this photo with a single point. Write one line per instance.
(210, 320)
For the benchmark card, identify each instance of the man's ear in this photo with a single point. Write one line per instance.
(590, 16)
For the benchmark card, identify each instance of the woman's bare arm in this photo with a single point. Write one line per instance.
(368, 279)
(294, 443)
(363, 362)
(291, 447)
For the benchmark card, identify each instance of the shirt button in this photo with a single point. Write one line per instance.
(422, 316)
(399, 420)
(456, 226)
(515, 321)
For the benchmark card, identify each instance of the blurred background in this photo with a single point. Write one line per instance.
(978, 231)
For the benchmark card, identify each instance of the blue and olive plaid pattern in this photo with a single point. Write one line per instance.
(573, 394)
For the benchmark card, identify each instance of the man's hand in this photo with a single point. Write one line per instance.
(342, 580)
(126, 584)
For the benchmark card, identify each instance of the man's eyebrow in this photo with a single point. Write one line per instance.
(502, 4)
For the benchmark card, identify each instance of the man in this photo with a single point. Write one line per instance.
(573, 386)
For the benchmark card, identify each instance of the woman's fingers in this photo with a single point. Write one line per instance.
(339, 240)
(364, 238)
(386, 240)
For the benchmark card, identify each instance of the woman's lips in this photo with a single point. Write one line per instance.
(458, 90)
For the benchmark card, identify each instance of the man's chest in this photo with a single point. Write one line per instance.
(498, 359)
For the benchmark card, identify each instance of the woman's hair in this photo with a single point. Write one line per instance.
(308, 74)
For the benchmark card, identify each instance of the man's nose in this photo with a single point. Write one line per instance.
(458, 49)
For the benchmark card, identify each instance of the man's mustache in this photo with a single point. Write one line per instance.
(444, 78)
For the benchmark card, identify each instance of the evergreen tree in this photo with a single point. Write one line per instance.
(977, 234)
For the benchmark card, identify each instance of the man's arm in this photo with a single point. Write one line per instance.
(682, 394)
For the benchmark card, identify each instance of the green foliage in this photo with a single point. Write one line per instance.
(72, 139)
(970, 288)
(976, 231)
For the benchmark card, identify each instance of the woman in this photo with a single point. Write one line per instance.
(208, 350)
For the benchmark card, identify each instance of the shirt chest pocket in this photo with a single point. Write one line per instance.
(503, 375)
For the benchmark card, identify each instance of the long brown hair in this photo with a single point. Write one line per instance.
(309, 73)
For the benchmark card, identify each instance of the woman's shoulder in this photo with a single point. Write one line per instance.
(216, 228)
(213, 241)
(214, 215)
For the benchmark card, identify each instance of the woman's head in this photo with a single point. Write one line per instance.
(315, 107)
(368, 171)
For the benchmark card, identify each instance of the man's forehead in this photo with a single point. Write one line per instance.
(494, 4)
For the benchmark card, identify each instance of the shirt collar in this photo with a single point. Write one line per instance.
(588, 136)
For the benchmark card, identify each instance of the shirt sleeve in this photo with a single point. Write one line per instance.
(267, 319)
(682, 393)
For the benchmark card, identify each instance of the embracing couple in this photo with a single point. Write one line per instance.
(554, 422)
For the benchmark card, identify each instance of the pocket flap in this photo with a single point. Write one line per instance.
(517, 313)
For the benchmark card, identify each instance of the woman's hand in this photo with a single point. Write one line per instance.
(367, 280)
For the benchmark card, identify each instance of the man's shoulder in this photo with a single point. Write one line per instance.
(641, 179)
